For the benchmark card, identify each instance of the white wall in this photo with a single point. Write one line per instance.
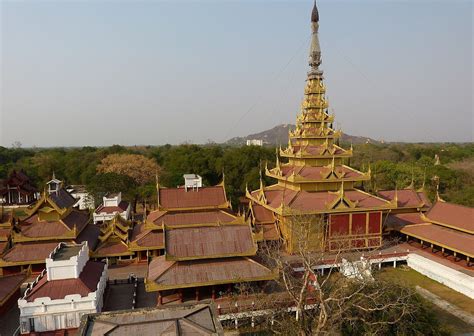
(449, 277)
(64, 313)
(67, 269)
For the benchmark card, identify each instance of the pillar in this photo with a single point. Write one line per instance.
(197, 294)
(160, 298)
(180, 295)
(213, 293)
(394, 263)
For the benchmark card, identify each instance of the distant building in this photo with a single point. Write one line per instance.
(180, 320)
(192, 181)
(255, 142)
(17, 189)
(84, 199)
(54, 185)
(69, 287)
(112, 205)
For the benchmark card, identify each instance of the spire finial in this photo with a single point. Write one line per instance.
(315, 13)
(315, 51)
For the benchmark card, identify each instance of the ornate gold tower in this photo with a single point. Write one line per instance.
(315, 181)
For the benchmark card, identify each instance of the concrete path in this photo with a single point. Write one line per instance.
(461, 314)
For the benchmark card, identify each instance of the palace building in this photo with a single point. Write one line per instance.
(317, 197)
(207, 249)
(27, 239)
(70, 286)
(17, 189)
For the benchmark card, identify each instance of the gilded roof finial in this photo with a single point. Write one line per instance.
(438, 197)
(395, 197)
(315, 51)
(412, 183)
(424, 180)
(157, 179)
(315, 13)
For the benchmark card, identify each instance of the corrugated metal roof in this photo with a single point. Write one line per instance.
(10, 283)
(457, 216)
(208, 241)
(202, 197)
(190, 218)
(29, 251)
(181, 274)
(181, 320)
(450, 238)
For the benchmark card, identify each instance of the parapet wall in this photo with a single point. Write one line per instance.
(449, 277)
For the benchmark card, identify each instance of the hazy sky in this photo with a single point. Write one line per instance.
(149, 72)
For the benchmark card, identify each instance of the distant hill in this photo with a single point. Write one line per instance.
(278, 135)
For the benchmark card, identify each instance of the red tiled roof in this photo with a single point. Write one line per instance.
(453, 215)
(192, 273)
(34, 228)
(190, 218)
(436, 234)
(122, 207)
(316, 201)
(58, 289)
(90, 234)
(147, 238)
(3, 246)
(205, 197)
(210, 241)
(9, 284)
(111, 248)
(407, 198)
(152, 239)
(22, 252)
(4, 233)
(397, 221)
(422, 195)
(270, 231)
(262, 214)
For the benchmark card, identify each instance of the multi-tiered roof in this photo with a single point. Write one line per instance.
(315, 179)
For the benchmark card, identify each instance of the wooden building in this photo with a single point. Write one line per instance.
(318, 198)
(206, 248)
(29, 239)
(446, 228)
(17, 189)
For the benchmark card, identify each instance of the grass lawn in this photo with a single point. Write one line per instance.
(412, 278)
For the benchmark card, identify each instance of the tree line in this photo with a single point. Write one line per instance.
(134, 170)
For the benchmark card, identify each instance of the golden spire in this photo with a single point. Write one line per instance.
(157, 189)
(412, 183)
(423, 184)
(438, 197)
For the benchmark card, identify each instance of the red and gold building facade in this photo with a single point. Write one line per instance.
(206, 247)
(315, 188)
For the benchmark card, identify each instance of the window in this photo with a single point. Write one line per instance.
(32, 324)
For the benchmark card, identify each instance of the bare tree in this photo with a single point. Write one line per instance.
(329, 302)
